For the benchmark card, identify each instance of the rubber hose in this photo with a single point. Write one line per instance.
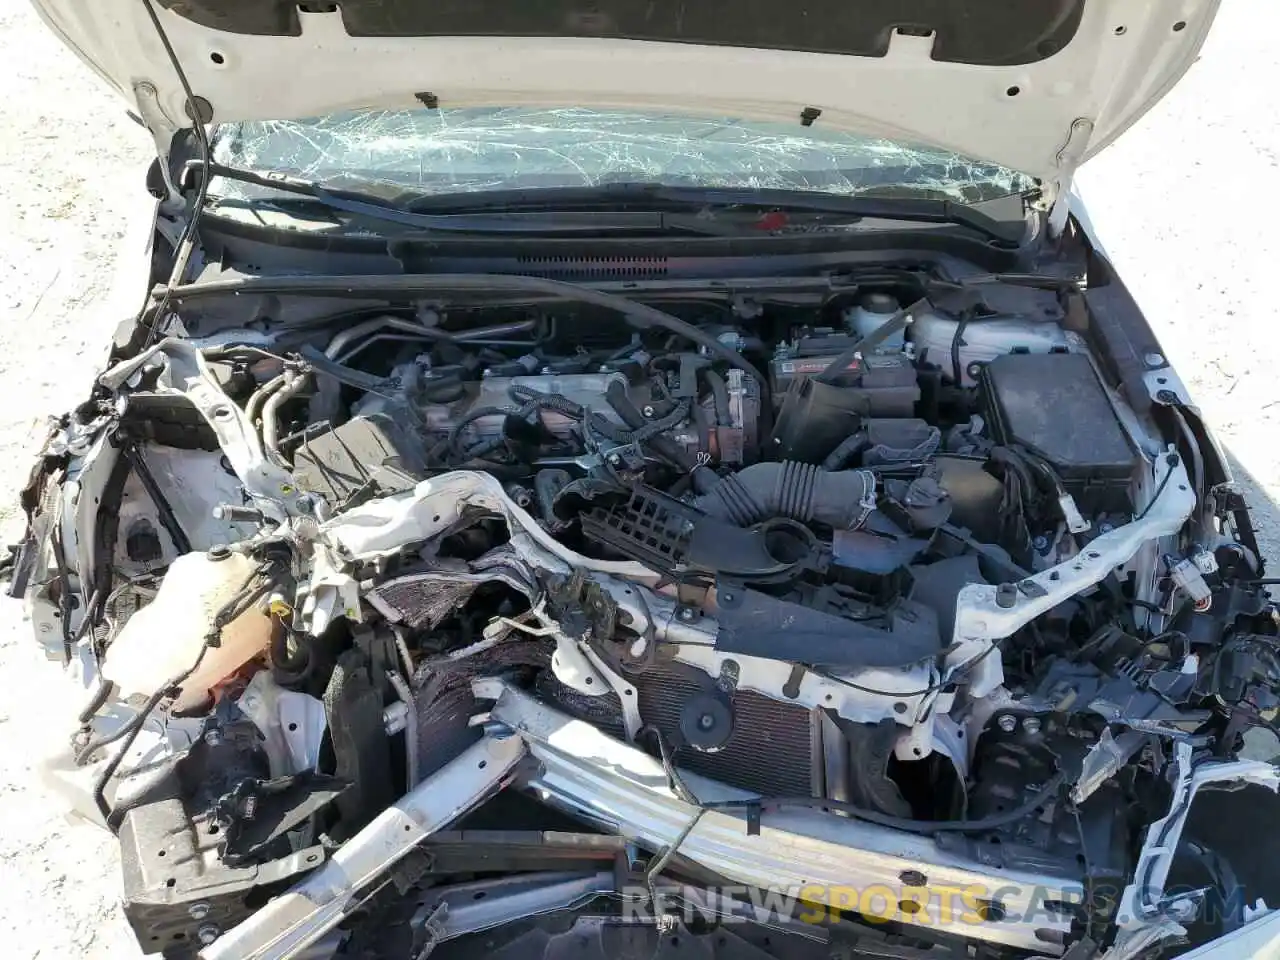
(322, 363)
(547, 485)
(445, 389)
(719, 397)
(849, 447)
(100, 694)
(547, 401)
(798, 491)
(1017, 465)
(455, 433)
(288, 669)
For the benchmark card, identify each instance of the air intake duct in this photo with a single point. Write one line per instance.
(798, 491)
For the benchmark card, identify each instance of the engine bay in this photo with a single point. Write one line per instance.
(905, 563)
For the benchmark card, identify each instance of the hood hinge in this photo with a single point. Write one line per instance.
(1068, 160)
(162, 132)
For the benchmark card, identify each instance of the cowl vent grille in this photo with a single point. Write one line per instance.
(595, 268)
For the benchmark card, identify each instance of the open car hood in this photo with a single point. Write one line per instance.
(1034, 86)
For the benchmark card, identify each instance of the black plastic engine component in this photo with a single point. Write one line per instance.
(1007, 767)
(885, 441)
(927, 505)
(1083, 688)
(816, 417)
(976, 496)
(1053, 405)
(258, 814)
(362, 757)
(798, 491)
(650, 527)
(870, 748)
(878, 547)
(674, 538)
(756, 624)
(938, 584)
(706, 722)
(360, 453)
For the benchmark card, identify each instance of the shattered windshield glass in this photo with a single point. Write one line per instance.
(475, 149)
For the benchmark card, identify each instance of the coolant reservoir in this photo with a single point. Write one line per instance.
(164, 638)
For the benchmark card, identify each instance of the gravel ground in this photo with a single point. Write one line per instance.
(1180, 203)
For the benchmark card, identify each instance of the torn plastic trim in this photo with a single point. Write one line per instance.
(298, 918)
(1104, 760)
(805, 854)
(1146, 916)
(183, 372)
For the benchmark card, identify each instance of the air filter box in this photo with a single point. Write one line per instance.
(1053, 405)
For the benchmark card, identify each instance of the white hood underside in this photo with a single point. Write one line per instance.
(1042, 118)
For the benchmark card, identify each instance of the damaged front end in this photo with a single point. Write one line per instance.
(441, 633)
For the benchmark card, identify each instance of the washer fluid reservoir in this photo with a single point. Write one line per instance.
(872, 310)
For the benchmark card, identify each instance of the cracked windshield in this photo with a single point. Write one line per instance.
(476, 149)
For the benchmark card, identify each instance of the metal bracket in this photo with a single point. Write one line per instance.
(186, 374)
(300, 917)
(1166, 388)
(162, 130)
(292, 724)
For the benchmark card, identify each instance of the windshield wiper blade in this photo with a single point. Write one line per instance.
(492, 220)
(854, 207)
(919, 209)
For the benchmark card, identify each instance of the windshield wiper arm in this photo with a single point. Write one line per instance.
(533, 211)
(490, 220)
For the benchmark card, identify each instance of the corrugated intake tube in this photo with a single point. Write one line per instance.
(799, 491)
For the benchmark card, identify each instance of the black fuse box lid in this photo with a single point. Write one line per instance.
(1054, 405)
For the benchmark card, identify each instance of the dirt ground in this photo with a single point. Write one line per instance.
(1187, 205)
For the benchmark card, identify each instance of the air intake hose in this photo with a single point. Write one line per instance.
(798, 491)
